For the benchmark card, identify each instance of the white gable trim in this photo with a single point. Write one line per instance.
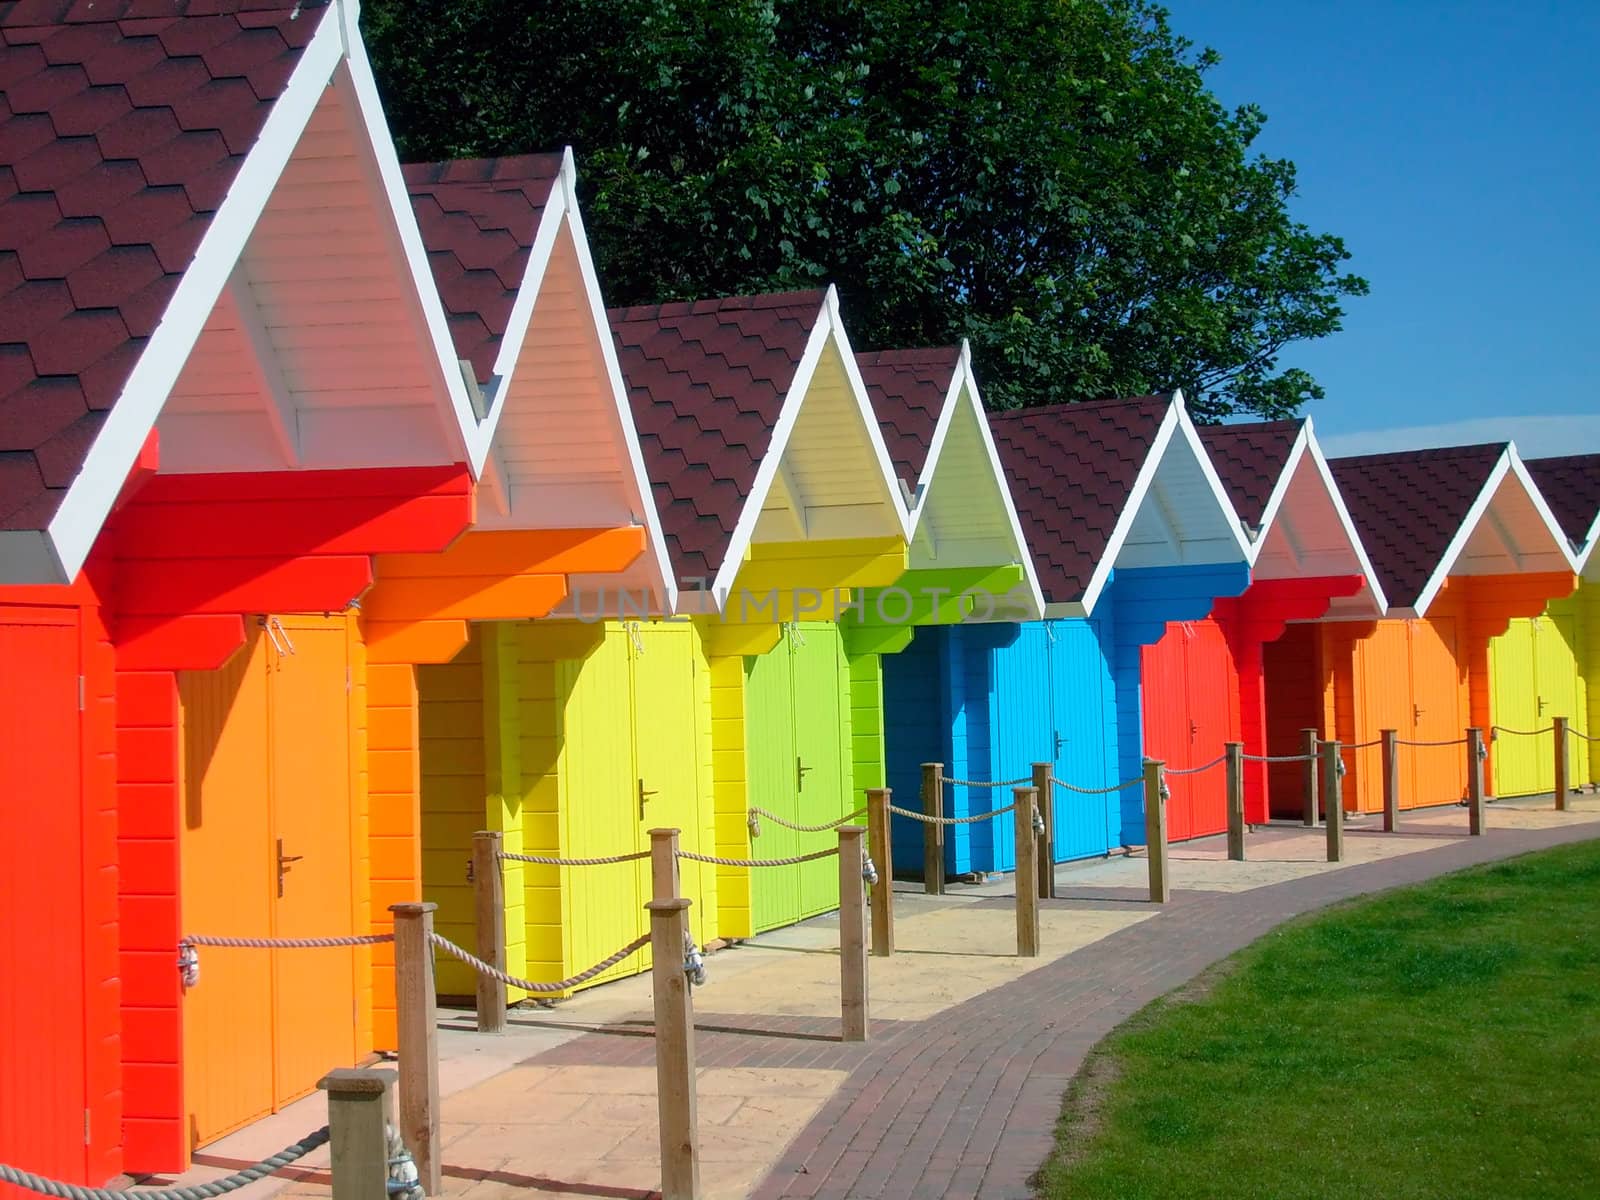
(828, 328)
(1280, 492)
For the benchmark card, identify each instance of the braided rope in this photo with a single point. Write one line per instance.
(544, 861)
(483, 968)
(197, 1191)
(1280, 758)
(1215, 762)
(757, 862)
(988, 783)
(1584, 736)
(244, 943)
(927, 820)
(1105, 791)
(827, 828)
(1523, 732)
(1343, 746)
(1461, 741)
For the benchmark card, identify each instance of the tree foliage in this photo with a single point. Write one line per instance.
(1050, 178)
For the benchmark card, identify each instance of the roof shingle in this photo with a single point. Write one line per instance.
(1571, 487)
(1250, 458)
(907, 389)
(1071, 468)
(707, 381)
(478, 218)
(122, 125)
(1408, 506)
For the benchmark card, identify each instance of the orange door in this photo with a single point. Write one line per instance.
(267, 773)
(1383, 702)
(1439, 696)
(43, 1101)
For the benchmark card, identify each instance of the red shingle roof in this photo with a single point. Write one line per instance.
(1071, 468)
(1407, 507)
(122, 126)
(1250, 459)
(1571, 487)
(478, 218)
(907, 389)
(707, 381)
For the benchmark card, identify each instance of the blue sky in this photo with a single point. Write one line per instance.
(1456, 148)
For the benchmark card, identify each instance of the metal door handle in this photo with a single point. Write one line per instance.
(800, 770)
(1059, 742)
(644, 797)
(1416, 714)
(283, 865)
(1194, 731)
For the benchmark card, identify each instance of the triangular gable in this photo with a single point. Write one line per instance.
(931, 414)
(1425, 515)
(756, 428)
(1570, 485)
(1278, 479)
(1113, 484)
(210, 240)
(507, 247)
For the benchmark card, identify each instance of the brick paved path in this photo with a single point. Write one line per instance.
(964, 1105)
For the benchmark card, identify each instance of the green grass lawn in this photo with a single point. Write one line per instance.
(1440, 1042)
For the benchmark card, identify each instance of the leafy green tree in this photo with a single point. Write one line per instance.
(1050, 178)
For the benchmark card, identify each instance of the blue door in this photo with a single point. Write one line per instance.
(1084, 747)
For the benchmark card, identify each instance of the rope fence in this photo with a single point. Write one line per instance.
(988, 783)
(1215, 762)
(196, 1191)
(929, 819)
(827, 827)
(547, 861)
(562, 985)
(1522, 732)
(715, 860)
(1279, 758)
(1461, 741)
(1104, 791)
(1575, 733)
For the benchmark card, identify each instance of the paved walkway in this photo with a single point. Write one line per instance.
(958, 1091)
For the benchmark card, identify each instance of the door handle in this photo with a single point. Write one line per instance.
(644, 797)
(1194, 731)
(283, 865)
(1060, 741)
(1416, 714)
(800, 770)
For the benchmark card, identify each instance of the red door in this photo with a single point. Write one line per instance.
(43, 1101)
(1213, 702)
(1164, 682)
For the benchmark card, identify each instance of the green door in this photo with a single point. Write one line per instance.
(769, 761)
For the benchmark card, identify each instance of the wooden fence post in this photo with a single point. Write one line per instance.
(852, 936)
(675, 1092)
(1561, 778)
(1475, 782)
(880, 844)
(1155, 829)
(1333, 800)
(359, 1102)
(1233, 753)
(416, 1018)
(1045, 793)
(664, 883)
(489, 901)
(933, 833)
(1027, 873)
(1308, 742)
(1391, 779)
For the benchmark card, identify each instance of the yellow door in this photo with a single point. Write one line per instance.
(266, 757)
(1555, 640)
(308, 694)
(601, 812)
(1521, 764)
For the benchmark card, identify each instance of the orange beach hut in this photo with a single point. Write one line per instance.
(1462, 541)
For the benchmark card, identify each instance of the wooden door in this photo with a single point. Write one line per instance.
(666, 755)
(1008, 694)
(1169, 731)
(1212, 680)
(601, 815)
(1385, 699)
(770, 754)
(1561, 690)
(1522, 765)
(308, 713)
(822, 748)
(1439, 715)
(1079, 708)
(43, 1097)
(229, 886)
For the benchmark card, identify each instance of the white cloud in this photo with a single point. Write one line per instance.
(1536, 437)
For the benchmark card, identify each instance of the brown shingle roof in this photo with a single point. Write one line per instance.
(1072, 468)
(907, 389)
(1571, 487)
(707, 381)
(122, 126)
(1250, 459)
(478, 218)
(1407, 507)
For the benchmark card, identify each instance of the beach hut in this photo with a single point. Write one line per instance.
(1129, 528)
(1548, 666)
(1306, 562)
(228, 385)
(1462, 542)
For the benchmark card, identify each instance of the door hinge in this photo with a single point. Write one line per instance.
(83, 691)
(86, 1128)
